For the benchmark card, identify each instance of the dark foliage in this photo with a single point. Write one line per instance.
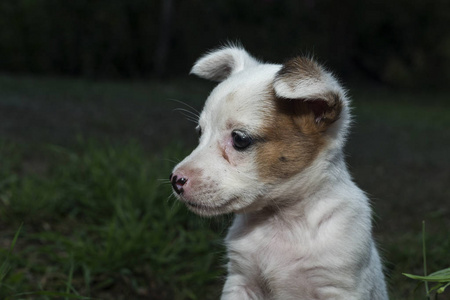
(401, 42)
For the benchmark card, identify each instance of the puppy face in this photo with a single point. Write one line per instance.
(262, 127)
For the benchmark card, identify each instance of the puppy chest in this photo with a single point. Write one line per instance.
(265, 248)
(276, 267)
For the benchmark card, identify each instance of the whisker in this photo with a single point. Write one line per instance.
(174, 203)
(171, 160)
(163, 181)
(190, 116)
(192, 120)
(187, 112)
(185, 104)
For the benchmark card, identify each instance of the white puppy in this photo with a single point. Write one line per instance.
(271, 151)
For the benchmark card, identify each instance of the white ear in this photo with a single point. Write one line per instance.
(218, 65)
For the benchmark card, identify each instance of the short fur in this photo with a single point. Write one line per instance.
(302, 228)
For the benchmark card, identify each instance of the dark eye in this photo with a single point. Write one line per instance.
(199, 130)
(241, 140)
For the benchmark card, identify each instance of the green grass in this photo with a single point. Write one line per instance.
(84, 168)
(440, 279)
(99, 223)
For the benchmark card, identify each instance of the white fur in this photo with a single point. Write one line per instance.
(223, 63)
(317, 242)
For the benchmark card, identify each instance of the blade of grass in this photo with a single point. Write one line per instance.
(87, 278)
(4, 268)
(16, 236)
(424, 251)
(69, 280)
(441, 277)
(430, 278)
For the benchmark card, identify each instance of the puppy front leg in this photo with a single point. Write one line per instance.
(237, 287)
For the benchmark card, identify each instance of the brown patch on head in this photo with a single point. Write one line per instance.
(299, 68)
(295, 134)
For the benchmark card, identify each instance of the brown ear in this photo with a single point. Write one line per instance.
(303, 88)
(310, 116)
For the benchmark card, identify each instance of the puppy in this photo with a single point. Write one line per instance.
(271, 151)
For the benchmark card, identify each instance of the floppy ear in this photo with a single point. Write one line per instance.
(310, 90)
(218, 65)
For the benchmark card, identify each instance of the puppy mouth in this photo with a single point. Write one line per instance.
(209, 210)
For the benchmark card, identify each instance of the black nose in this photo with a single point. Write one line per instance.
(178, 183)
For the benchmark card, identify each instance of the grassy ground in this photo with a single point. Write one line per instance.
(84, 167)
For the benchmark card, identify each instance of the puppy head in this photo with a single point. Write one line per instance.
(262, 129)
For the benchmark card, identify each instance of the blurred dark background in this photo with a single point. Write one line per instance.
(401, 43)
(92, 97)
